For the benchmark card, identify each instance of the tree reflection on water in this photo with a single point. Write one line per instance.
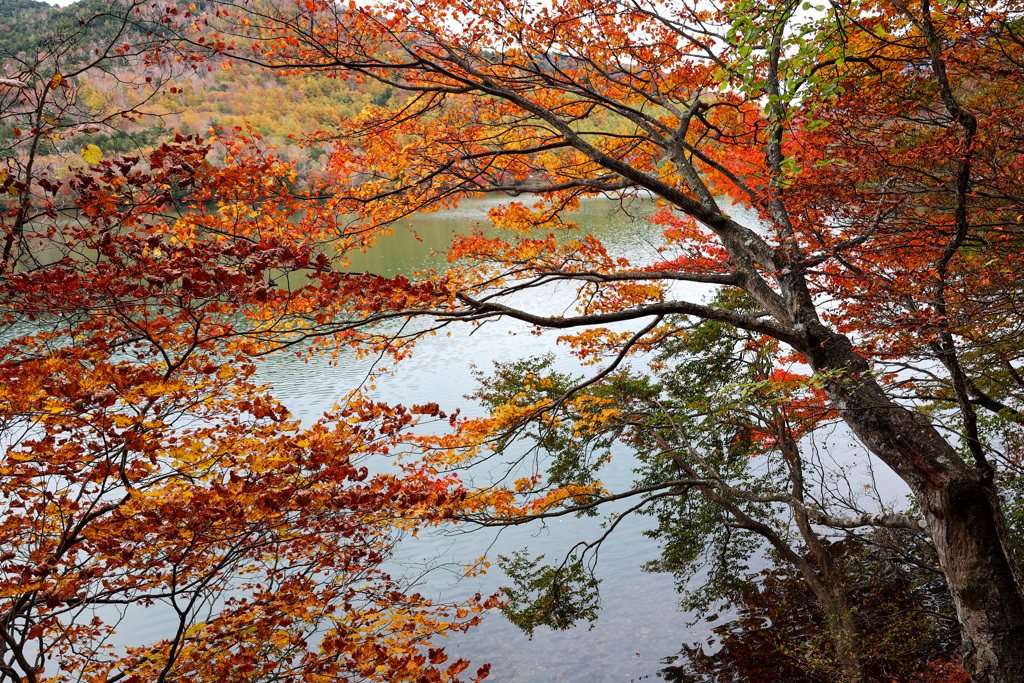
(780, 634)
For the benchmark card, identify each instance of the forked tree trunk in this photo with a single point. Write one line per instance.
(959, 502)
(827, 587)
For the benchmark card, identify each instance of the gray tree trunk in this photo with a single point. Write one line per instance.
(959, 502)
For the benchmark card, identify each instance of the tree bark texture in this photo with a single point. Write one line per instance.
(959, 502)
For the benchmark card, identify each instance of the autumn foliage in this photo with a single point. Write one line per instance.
(877, 145)
(147, 472)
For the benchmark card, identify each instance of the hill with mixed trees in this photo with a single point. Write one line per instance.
(26, 25)
(284, 109)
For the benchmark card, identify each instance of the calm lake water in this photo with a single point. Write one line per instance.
(640, 625)
(640, 630)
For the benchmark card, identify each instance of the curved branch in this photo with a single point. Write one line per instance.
(746, 322)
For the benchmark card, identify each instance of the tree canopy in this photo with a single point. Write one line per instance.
(878, 143)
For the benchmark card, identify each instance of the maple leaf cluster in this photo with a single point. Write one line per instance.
(145, 470)
(875, 147)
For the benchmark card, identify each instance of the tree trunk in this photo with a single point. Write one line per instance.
(959, 502)
(967, 527)
(842, 624)
(846, 635)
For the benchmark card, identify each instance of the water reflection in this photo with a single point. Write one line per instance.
(906, 616)
(640, 630)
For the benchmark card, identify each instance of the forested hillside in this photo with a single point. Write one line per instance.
(27, 26)
(286, 110)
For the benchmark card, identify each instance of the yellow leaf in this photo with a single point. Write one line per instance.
(92, 154)
(56, 80)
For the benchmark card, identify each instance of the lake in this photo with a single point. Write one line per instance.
(639, 625)
(640, 629)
